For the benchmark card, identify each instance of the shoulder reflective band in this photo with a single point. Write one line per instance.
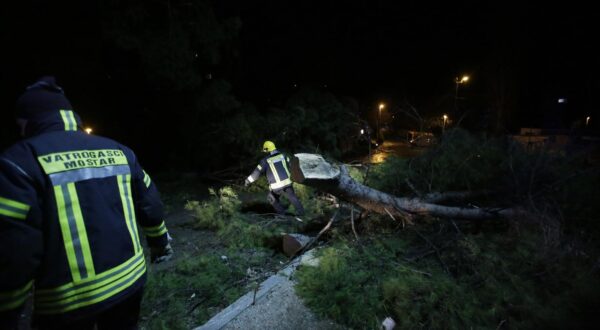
(124, 182)
(258, 167)
(14, 298)
(77, 159)
(105, 285)
(73, 232)
(69, 120)
(147, 180)
(155, 231)
(13, 209)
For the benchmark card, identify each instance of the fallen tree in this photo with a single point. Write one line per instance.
(313, 170)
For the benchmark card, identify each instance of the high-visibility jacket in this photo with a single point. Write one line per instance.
(70, 205)
(275, 165)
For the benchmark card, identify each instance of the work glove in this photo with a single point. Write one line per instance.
(160, 254)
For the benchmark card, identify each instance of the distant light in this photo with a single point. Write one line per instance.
(445, 117)
(295, 85)
(196, 55)
(381, 106)
(587, 120)
(88, 130)
(362, 131)
(463, 79)
(562, 100)
(377, 144)
(209, 76)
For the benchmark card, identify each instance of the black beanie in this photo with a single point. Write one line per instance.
(42, 97)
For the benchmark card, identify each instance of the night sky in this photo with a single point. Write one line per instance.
(369, 50)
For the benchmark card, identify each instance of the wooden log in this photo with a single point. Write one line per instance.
(313, 170)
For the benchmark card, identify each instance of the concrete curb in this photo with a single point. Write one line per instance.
(232, 311)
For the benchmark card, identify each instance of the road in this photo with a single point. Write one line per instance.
(393, 147)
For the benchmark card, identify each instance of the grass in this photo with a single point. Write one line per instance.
(475, 281)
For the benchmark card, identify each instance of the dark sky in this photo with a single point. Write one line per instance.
(415, 48)
(369, 50)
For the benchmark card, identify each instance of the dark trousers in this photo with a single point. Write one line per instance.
(289, 193)
(123, 315)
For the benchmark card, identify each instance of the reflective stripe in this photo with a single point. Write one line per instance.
(73, 231)
(13, 209)
(69, 120)
(259, 167)
(14, 298)
(250, 179)
(147, 180)
(155, 231)
(272, 160)
(87, 173)
(280, 184)
(104, 286)
(124, 182)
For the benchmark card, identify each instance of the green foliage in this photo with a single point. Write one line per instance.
(193, 288)
(477, 281)
(222, 213)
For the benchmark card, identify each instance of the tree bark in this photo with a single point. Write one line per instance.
(312, 170)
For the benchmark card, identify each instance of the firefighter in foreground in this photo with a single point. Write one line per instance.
(70, 204)
(275, 165)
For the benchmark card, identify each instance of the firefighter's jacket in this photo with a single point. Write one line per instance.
(275, 165)
(70, 205)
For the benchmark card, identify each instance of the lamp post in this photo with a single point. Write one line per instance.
(587, 121)
(458, 81)
(381, 106)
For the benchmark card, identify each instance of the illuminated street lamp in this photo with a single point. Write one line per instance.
(444, 124)
(88, 130)
(381, 106)
(587, 121)
(458, 81)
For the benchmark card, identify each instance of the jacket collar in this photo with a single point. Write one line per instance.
(63, 120)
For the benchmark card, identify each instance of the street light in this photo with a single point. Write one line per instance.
(587, 121)
(444, 124)
(88, 130)
(381, 106)
(458, 81)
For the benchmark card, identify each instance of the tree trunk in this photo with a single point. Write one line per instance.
(312, 170)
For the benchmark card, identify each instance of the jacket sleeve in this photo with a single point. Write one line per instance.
(260, 169)
(20, 236)
(149, 207)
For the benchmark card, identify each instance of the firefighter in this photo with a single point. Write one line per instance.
(70, 205)
(275, 165)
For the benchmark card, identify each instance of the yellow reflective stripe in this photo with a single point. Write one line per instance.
(82, 233)
(259, 167)
(14, 209)
(101, 279)
(73, 232)
(14, 298)
(156, 230)
(280, 184)
(69, 120)
(147, 180)
(270, 161)
(66, 233)
(124, 182)
(93, 296)
(250, 178)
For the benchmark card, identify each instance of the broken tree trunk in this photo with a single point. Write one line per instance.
(312, 170)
